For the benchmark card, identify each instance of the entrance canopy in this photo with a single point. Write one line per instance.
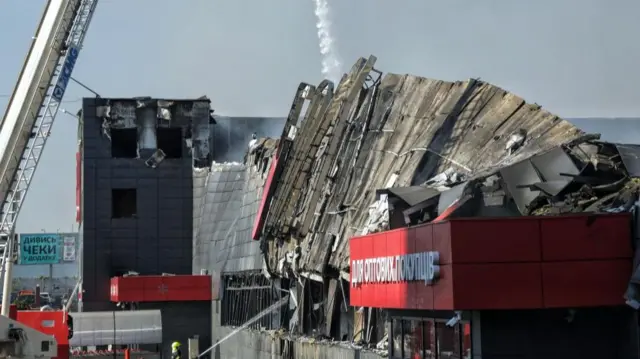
(118, 327)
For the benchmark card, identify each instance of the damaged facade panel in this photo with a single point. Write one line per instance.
(226, 200)
(395, 131)
(630, 155)
(155, 129)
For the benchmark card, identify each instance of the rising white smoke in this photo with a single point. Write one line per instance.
(331, 66)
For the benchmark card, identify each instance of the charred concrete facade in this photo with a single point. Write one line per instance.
(137, 160)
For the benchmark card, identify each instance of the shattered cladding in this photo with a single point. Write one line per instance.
(437, 150)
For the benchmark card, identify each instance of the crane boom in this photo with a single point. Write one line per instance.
(32, 109)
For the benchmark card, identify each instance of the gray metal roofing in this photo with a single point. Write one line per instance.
(226, 200)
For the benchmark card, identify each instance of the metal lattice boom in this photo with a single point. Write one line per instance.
(72, 24)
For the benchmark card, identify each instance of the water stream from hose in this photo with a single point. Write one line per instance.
(272, 308)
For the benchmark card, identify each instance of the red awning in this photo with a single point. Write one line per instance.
(161, 288)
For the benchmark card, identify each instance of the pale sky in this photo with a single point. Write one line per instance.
(578, 58)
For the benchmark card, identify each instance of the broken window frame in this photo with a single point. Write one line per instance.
(124, 142)
(168, 135)
(244, 296)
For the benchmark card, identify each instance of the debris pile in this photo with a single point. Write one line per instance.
(604, 178)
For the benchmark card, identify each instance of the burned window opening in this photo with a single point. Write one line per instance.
(124, 203)
(124, 143)
(170, 141)
(314, 306)
(246, 296)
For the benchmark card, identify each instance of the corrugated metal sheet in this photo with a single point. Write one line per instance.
(226, 200)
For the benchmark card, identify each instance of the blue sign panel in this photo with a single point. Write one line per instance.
(65, 73)
(40, 248)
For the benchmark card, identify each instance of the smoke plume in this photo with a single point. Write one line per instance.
(231, 135)
(331, 67)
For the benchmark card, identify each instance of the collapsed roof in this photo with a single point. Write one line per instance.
(383, 152)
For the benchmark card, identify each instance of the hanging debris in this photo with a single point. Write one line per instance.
(157, 129)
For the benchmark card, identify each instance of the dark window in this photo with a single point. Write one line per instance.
(70, 326)
(124, 142)
(429, 339)
(123, 203)
(396, 338)
(170, 141)
(413, 339)
(448, 346)
(430, 349)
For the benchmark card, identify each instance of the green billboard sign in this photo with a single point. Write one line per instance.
(40, 248)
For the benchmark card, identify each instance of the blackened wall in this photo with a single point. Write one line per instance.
(590, 333)
(158, 238)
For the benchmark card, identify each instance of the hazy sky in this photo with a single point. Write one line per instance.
(578, 58)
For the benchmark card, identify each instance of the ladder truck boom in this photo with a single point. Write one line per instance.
(32, 109)
(29, 93)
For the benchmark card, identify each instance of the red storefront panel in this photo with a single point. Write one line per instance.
(596, 283)
(267, 191)
(161, 288)
(585, 237)
(505, 263)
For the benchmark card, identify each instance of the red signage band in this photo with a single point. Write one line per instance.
(422, 266)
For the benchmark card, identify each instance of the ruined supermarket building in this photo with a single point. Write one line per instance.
(385, 216)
